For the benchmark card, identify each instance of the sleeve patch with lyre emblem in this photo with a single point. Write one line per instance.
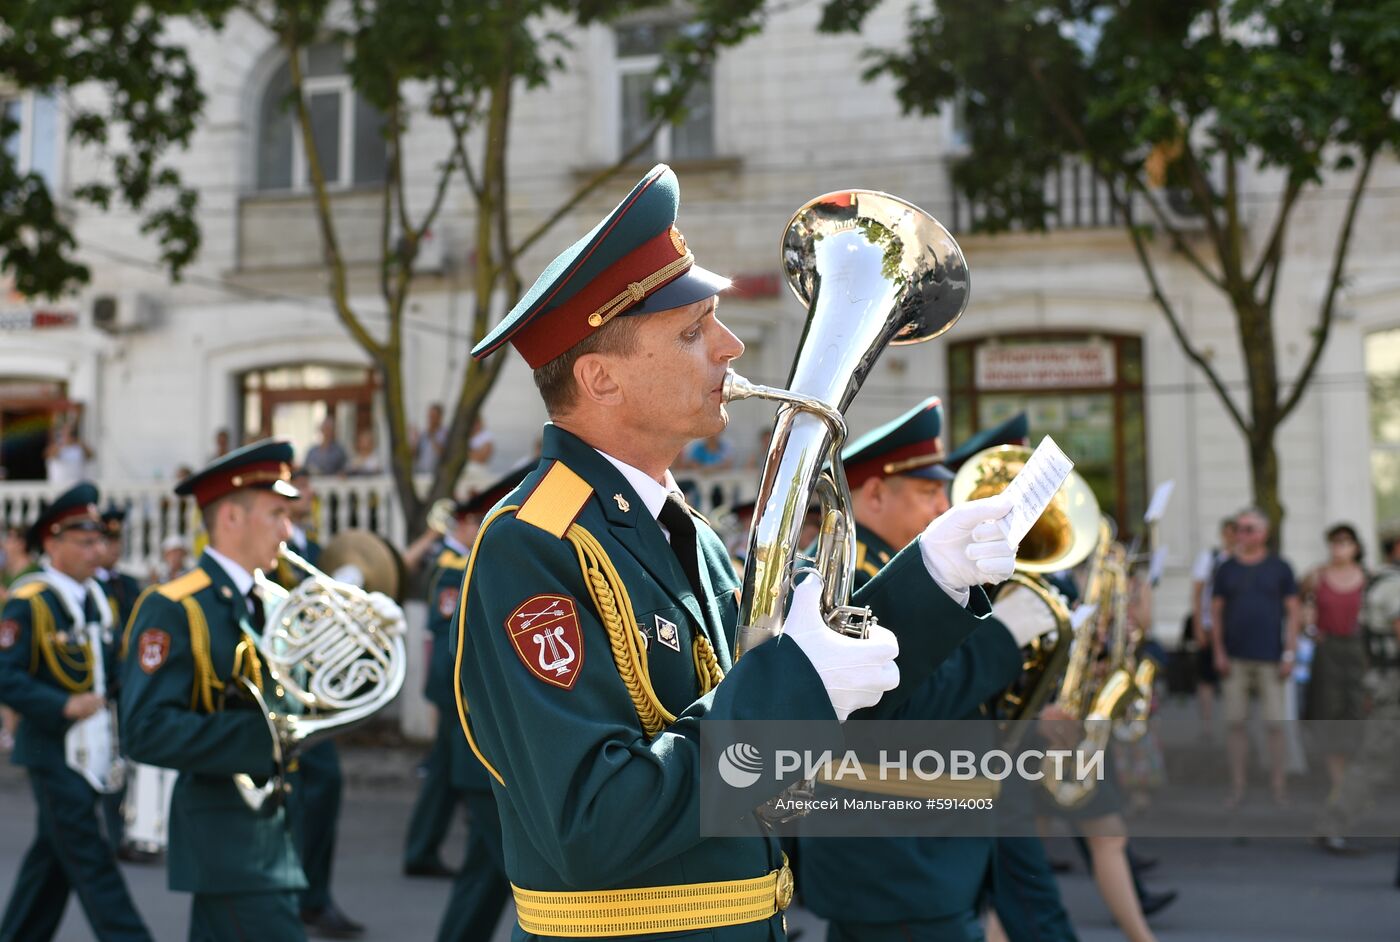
(447, 602)
(152, 648)
(9, 633)
(545, 632)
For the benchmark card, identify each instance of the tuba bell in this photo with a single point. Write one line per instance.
(1063, 537)
(332, 661)
(873, 270)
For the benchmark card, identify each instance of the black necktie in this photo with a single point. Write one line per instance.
(677, 520)
(91, 613)
(258, 619)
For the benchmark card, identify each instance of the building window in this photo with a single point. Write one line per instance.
(349, 132)
(1383, 379)
(292, 401)
(639, 47)
(31, 134)
(1083, 390)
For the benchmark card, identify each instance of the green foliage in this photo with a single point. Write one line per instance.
(152, 103)
(1297, 85)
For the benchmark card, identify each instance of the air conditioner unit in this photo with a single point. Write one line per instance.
(431, 251)
(124, 313)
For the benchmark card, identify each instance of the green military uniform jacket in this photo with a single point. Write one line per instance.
(444, 589)
(124, 591)
(588, 666)
(187, 641)
(903, 879)
(44, 659)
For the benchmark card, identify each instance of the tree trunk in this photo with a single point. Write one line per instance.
(1264, 478)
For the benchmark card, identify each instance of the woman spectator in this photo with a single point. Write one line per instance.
(1333, 593)
(365, 461)
(67, 457)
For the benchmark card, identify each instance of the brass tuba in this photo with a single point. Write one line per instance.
(1063, 537)
(328, 653)
(873, 270)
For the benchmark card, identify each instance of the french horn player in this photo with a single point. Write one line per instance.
(600, 628)
(209, 645)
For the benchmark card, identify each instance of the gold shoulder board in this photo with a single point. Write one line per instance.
(29, 590)
(185, 586)
(556, 500)
(450, 560)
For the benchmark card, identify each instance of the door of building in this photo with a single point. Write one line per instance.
(29, 411)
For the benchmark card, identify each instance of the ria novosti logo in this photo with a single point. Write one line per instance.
(740, 765)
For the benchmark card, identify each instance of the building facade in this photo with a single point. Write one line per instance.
(1061, 323)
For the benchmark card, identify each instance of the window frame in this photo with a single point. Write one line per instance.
(344, 88)
(625, 66)
(27, 99)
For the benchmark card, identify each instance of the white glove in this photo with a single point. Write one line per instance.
(385, 607)
(855, 671)
(965, 547)
(1024, 615)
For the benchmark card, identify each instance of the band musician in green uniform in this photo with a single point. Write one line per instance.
(480, 888)
(188, 642)
(599, 612)
(438, 799)
(51, 657)
(122, 591)
(318, 785)
(922, 888)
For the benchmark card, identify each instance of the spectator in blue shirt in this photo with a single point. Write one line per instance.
(1256, 614)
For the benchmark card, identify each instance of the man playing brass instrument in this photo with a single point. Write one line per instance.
(188, 642)
(926, 888)
(599, 613)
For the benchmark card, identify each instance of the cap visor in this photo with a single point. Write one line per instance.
(931, 472)
(695, 285)
(285, 489)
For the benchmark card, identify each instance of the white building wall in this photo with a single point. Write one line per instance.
(794, 119)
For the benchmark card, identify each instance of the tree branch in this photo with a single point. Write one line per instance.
(1273, 248)
(597, 180)
(330, 245)
(1140, 247)
(1324, 326)
(1173, 232)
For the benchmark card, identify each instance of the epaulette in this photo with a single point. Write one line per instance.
(185, 586)
(556, 501)
(450, 559)
(864, 564)
(29, 590)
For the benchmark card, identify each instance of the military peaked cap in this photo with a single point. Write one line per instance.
(908, 445)
(74, 509)
(264, 465)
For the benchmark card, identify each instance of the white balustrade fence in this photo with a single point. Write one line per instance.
(368, 503)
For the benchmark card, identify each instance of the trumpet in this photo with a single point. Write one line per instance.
(332, 657)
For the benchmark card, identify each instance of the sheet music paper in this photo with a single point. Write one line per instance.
(1159, 563)
(1158, 507)
(1032, 489)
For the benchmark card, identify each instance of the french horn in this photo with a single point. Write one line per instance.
(332, 659)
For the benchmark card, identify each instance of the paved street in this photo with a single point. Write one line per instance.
(1264, 890)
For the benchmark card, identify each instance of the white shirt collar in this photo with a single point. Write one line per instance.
(653, 495)
(242, 578)
(299, 537)
(75, 590)
(455, 545)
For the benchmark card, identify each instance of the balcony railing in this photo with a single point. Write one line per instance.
(1077, 198)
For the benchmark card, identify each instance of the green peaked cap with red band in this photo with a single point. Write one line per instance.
(74, 509)
(906, 445)
(1014, 431)
(633, 262)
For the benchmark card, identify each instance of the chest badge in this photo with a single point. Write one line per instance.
(622, 503)
(9, 633)
(668, 634)
(545, 632)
